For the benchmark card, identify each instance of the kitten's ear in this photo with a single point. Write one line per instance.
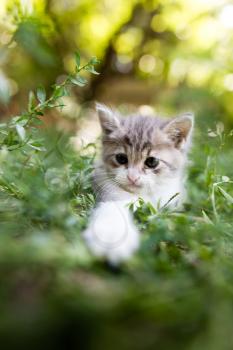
(179, 130)
(109, 121)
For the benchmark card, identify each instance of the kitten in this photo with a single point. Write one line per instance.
(142, 157)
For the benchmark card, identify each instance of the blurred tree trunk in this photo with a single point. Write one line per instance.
(140, 18)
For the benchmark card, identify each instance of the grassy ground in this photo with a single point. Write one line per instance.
(176, 293)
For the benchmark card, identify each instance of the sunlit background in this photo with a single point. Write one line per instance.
(161, 56)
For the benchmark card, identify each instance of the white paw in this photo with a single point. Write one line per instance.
(111, 232)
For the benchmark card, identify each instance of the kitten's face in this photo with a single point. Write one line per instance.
(139, 151)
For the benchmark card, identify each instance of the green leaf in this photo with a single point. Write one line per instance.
(39, 113)
(59, 91)
(225, 178)
(36, 121)
(37, 146)
(3, 132)
(78, 80)
(3, 125)
(206, 218)
(94, 60)
(91, 69)
(41, 94)
(31, 101)
(151, 208)
(20, 120)
(77, 59)
(21, 131)
(228, 197)
(219, 128)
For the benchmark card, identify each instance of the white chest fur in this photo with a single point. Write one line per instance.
(111, 232)
(159, 194)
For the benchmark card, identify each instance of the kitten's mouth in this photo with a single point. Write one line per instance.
(134, 185)
(130, 187)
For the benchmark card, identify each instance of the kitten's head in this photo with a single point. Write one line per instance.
(140, 151)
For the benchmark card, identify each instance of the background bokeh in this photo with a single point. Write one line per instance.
(171, 55)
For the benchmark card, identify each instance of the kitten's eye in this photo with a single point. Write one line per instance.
(152, 162)
(122, 158)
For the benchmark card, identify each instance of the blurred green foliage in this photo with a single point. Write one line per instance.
(176, 293)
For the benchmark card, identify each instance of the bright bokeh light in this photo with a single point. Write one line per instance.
(26, 6)
(124, 63)
(99, 25)
(146, 110)
(4, 88)
(178, 70)
(199, 74)
(158, 24)
(183, 31)
(228, 82)
(206, 33)
(226, 16)
(2, 7)
(128, 41)
(147, 63)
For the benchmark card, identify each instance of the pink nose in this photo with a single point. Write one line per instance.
(133, 178)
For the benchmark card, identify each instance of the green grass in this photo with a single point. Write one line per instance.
(177, 291)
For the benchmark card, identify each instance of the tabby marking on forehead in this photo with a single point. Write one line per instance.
(142, 132)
